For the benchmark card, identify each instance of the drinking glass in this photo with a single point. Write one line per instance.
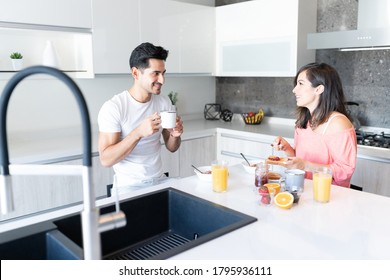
(219, 171)
(322, 180)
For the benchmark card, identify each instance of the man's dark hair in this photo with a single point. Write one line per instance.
(140, 56)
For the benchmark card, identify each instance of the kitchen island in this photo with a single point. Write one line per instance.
(353, 225)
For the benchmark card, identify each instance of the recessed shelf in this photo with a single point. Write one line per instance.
(74, 49)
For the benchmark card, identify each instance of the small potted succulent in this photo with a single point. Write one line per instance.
(173, 97)
(17, 60)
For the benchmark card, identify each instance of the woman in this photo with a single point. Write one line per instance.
(324, 135)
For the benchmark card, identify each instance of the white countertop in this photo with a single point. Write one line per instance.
(353, 225)
(350, 226)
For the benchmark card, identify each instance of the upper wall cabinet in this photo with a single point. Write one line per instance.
(69, 13)
(29, 26)
(115, 34)
(210, 3)
(264, 38)
(187, 30)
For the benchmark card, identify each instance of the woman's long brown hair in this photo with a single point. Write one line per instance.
(331, 100)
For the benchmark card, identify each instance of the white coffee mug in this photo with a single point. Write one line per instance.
(168, 119)
(295, 180)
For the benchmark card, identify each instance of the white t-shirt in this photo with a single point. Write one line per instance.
(123, 113)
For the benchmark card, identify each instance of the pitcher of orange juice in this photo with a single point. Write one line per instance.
(219, 171)
(322, 180)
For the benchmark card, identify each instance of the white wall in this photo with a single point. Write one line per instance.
(41, 104)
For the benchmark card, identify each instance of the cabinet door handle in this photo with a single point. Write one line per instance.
(236, 155)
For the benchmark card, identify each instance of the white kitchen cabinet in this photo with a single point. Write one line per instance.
(186, 30)
(265, 38)
(115, 34)
(26, 27)
(170, 161)
(35, 193)
(230, 147)
(372, 174)
(231, 144)
(199, 152)
(69, 13)
(102, 176)
(210, 3)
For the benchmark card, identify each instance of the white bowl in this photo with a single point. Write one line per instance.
(204, 176)
(250, 169)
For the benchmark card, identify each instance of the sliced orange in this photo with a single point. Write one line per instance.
(284, 200)
(273, 186)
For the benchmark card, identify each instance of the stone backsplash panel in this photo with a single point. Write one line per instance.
(365, 75)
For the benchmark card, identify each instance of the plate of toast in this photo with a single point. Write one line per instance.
(275, 160)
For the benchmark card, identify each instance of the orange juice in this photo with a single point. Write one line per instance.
(321, 186)
(220, 177)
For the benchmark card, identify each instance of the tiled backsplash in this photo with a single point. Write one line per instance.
(365, 75)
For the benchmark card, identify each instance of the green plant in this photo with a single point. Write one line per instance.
(173, 97)
(16, 55)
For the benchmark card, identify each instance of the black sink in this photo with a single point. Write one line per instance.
(160, 224)
(27, 246)
(41, 241)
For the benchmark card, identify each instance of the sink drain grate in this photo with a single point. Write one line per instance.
(152, 249)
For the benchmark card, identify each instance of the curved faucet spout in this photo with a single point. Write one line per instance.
(90, 215)
(9, 88)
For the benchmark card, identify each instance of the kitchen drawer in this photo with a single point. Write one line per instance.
(230, 146)
(198, 152)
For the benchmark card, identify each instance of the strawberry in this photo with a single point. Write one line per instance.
(264, 193)
(265, 199)
(263, 190)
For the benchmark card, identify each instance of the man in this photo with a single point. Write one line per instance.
(130, 125)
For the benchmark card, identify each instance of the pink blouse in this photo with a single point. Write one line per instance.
(337, 149)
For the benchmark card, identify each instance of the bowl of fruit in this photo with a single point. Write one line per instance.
(253, 118)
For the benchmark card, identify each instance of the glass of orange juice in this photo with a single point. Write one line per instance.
(322, 180)
(219, 171)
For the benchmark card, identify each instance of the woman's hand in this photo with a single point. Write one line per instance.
(280, 144)
(295, 163)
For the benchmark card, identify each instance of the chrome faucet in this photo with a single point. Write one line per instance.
(92, 223)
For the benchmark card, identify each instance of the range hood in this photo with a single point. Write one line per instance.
(373, 30)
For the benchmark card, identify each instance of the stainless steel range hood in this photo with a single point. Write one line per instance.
(373, 30)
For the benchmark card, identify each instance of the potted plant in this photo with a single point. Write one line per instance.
(17, 60)
(173, 97)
